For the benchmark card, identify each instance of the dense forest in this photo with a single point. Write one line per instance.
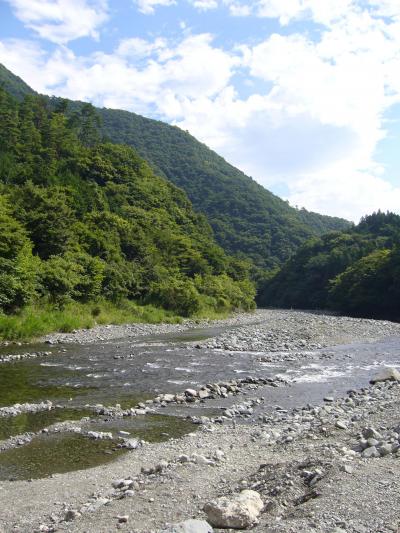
(355, 272)
(248, 220)
(82, 219)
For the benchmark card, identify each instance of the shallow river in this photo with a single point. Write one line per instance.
(129, 370)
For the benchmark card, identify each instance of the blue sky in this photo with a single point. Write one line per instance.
(303, 95)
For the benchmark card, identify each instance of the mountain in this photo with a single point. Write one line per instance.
(82, 219)
(13, 84)
(248, 220)
(355, 272)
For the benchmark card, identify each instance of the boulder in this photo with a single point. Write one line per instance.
(386, 374)
(168, 398)
(239, 511)
(370, 452)
(191, 393)
(189, 526)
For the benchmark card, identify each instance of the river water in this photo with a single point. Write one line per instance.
(126, 371)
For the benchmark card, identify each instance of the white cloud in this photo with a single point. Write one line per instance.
(136, 48)
(138, 73)
(386, 8)
(323, 12)
(61, 21)
(147, 6)
(205, 5)
(338, 194)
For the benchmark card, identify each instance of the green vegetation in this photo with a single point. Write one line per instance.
(13, 84)
(355, 272)
(248, 221)
(36, 320)
(83, 221)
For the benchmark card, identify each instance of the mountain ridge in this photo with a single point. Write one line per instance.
(248, 220)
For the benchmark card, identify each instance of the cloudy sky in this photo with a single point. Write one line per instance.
(303, 95)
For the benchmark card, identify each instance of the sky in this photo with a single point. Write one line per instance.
(302, 95)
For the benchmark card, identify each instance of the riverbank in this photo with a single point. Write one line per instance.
(261, 330)
(100, 333)
(307, 465)
(310, 463)
(37, 320)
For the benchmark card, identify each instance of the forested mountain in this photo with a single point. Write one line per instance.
(355, 272)
(13, 84)
(247, 220)
(82, 219)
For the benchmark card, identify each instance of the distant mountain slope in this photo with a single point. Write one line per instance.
(247, 219)
(13, 84)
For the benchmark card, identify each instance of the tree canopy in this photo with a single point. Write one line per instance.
(81, 218)
(355, 272)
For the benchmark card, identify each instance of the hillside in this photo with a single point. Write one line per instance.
(81, 220)
(247, 219)
(355, 272)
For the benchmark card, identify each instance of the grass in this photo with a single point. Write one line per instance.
(37, 320)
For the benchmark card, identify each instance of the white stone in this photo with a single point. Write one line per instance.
(168, 398)
(240, 511)
(386, 374)
(189, 526)
(201, 460)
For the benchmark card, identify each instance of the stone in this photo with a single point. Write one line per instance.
(341, 424)
(370, 452)
(386, 374)
(130, 444)
(219, 455)
(371, 433)
(123, 519)
(239, 511)
(118, 483)
(348, 469)
(71, 514)
(162, 465)
(385, 449)
(191, 393)
(99, 435)
(189, 526)
(329, 399)
(97, 504)
(201, 460)
(168, 398)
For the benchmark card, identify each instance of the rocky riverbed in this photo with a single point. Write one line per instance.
(329, 465)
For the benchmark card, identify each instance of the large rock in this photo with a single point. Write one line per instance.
(386, 374)
(240, 511)
(189, 526)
